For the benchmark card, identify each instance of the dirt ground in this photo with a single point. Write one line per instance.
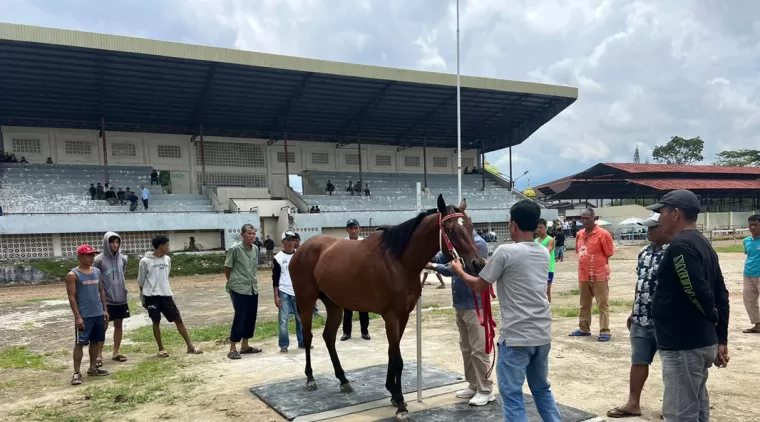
(584, 373)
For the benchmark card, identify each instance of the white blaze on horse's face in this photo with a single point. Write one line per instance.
(460, 221)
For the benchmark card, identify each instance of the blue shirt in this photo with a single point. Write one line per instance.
(461, 293)
(88, 293)
(752, 250)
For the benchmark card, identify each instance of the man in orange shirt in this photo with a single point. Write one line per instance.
(594, 247)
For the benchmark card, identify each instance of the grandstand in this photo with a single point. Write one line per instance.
(224, 126)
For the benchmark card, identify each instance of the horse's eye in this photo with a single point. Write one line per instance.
(460, 221)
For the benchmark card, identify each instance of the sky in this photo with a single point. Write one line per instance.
(646, 70)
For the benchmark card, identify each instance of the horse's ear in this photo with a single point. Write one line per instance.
(441, 204)
(463, 205)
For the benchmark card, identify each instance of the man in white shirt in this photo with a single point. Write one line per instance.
(519, 271)
(145, 194)
(352, 228)
(284, 295)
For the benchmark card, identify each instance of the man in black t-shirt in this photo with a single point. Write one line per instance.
(690, 310)
(269, 246)
(559, 246)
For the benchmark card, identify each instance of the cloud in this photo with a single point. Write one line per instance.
(646, 69)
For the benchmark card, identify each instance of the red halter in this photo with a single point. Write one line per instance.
(486, 318)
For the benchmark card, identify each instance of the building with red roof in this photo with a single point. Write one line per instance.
(720, 188)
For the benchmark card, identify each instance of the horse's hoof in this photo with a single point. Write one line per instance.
(311, 385)
(402, 416)
(393, 402)
(346, 388)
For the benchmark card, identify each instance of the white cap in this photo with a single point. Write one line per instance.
(651, 221)
(288, 235)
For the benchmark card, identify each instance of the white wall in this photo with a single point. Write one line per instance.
(267, 207)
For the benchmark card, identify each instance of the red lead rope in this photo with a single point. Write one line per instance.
(487, 321)
(486, 318)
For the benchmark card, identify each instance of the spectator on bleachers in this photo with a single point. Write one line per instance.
(23, 160)
(12, 159)
(93, 191)
(145, 195)
(132, 198)
(358, 188)
(474, 170)
(350, 187)
(121, 196)
(110, 196)
(317, 210)
(99, 192)
(312, 210)
(330, 187)
(366, 190)
(467, 170)
(49, 161)
(154, 178)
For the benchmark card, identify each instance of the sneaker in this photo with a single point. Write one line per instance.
(467, 393)
(481, 399)
(283, 350)
(76, 379)
(345, 337)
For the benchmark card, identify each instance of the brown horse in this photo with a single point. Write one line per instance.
(379, 274)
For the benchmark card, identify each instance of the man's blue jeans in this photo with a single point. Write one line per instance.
(514, 365)
(288, 307)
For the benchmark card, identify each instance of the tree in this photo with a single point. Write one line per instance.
(679, 151)
(739, 158)
(636, 158)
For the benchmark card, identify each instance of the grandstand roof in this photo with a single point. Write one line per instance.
(62, 78)
(627, 180)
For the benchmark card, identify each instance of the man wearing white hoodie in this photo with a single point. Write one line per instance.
(156, 295)
(112, 265)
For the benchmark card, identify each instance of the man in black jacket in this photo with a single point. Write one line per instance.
(690, 310)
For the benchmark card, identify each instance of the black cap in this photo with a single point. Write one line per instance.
(682, 199)
(352, 222)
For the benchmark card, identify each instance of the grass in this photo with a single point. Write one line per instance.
(568, 311)
(182, 265)
(19, 357)
(571, 292)
(730, 249)
(44, 299)
(143, 336)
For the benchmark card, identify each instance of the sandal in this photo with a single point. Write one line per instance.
(579, 333)
(618, 413)
(97, 372)
(233, 355)
(76, 379)
(604, 337)
(98, 363)
(195, 351)
(751, 331)
(119, 358)
(250, 350)
(163, 354)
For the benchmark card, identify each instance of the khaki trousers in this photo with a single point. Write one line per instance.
(472, 343)
(599, 290)
(751, 294)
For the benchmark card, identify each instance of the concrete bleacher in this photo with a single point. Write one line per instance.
(63, 188)
(396, 191)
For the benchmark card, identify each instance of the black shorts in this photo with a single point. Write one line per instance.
(94, 331)
(118, 311)
(158, 305)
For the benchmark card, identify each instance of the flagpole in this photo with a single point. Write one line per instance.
(459, 119)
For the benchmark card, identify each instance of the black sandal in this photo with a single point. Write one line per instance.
(233, 355)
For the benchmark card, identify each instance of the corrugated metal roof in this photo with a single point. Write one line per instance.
(697, 184)
(69, 79)
(672, 168)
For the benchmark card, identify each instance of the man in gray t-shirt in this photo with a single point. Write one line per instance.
(519, 271)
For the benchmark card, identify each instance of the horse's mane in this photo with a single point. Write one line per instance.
(396, 238)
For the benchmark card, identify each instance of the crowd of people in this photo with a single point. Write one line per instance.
(680, 304)
(107, 193)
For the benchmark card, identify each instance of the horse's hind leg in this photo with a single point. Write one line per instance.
(334, 319)
(306, 313)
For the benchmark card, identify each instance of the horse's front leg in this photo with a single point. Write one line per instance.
(395, 364)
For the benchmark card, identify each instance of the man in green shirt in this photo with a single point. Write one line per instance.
(240, 269)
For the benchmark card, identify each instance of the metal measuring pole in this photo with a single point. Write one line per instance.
(419, 315)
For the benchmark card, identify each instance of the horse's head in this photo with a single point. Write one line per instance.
(457, 240)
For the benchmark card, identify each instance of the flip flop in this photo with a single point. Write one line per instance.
(579, 333)
(195, 351)
(618, 413)
(163, 354)
(751, 331)
(98, 363)
(233, 355)
(97, 372)
(249, 350)
(119, 358)
(604, 337)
